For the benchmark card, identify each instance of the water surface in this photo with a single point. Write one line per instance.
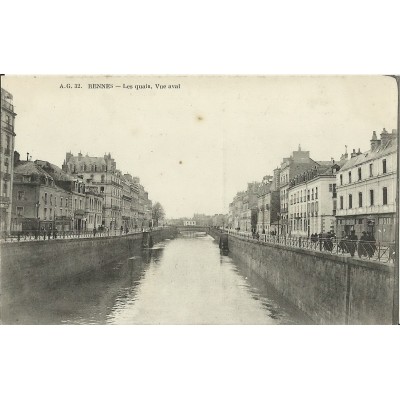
(180, 281)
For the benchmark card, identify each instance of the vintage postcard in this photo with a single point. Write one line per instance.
(199, 200)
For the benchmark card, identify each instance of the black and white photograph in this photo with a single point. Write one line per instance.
(199, 200)
(222, 200)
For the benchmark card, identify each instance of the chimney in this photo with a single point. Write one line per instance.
(16, 158)
(68, 156)
(374, 141)
(353, 154)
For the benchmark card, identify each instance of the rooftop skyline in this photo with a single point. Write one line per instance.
(195, 147)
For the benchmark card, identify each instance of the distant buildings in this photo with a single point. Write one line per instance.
(7, 142)
(189, 223)
(268, 204)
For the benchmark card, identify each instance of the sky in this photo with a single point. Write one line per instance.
(195, 146)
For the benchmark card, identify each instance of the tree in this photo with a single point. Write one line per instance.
(157, 213)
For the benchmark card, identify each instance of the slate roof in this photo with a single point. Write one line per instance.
(380, 151)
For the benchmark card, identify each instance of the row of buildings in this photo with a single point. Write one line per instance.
(85, 193)
(304, 197)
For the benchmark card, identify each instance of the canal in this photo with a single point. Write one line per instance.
(181, 281)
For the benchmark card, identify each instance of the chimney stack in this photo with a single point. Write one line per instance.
(374, 141)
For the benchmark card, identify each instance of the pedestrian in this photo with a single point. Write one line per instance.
(44, 232)
(94, 231)
(352, 243)
(49, 233)
(343, 243)
(371, 245)
(362, 250)
(55, 233)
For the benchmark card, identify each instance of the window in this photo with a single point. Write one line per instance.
(316, 193)
(312, 194)
(55, 201)
(330, 187)
(384, 170)
(350, 177)
(21, 195)
(359, 199)
(20, 211)
(359, 173)
(45, 198)
(45, 213)
(371, 170)
(341, 202)
(350, 201)
(308, 194)
(61, 211)
(341, 179)
(371, 197)
(384, 195)
(51, 199)
(102, 178)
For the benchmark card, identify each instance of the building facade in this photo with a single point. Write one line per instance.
(312, 201)
(39, 204)
(366, 190)
(100, 172)
(7, 143)
(291, 166)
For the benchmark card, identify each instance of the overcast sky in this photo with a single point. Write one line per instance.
(195, 147)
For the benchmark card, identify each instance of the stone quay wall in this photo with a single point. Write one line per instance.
(25, 265)
(330, 289)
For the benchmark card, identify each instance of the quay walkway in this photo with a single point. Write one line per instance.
(29, 236)
(381, 251)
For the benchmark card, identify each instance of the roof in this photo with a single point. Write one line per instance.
(380, 151)
(57, 173)
(30, 168)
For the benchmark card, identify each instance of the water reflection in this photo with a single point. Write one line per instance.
(181, 281)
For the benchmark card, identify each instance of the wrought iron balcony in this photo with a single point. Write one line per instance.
(8, 106)
(6, 125)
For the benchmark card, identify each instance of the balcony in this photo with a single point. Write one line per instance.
(6, 105)
(7, 126)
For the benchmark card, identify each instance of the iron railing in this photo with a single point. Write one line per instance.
(362, 249)
(50, 234)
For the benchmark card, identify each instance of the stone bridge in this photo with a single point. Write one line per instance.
(191, 228)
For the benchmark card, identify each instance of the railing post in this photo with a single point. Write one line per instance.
(379, 251)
